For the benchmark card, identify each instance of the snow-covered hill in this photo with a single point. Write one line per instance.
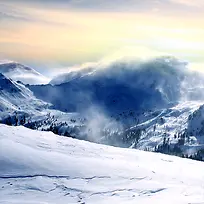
(16, 98)
(40, 167)
(19, 72)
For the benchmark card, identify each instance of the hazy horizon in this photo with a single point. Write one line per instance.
(59, 34)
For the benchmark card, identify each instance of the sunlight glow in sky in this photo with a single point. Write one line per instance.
(78, 31)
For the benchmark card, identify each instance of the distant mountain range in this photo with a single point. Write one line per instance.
(155, 105)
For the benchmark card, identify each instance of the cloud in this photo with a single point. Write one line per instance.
(10, 16)
(190, 3)
(21, 13)
(77, 31)
(99, 5)
(163, 6)
(154, 6)
(10, 12)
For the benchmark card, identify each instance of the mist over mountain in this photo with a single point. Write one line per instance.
(121, 86)
(71, 75)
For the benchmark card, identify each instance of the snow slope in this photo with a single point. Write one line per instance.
(174, 120)
(15, 97)
(18, 102)
(40, 167)
(19, 72)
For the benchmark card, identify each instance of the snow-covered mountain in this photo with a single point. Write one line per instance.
(18, 106)
(19, 72)
(178, 127)
(145, 105)
(40, 167)
(154, 105)
(121, 86)
(16, 98)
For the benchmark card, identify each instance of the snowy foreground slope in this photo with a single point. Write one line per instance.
(40, 167)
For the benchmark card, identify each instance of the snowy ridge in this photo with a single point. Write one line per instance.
(40, 167)
(15, 97)
(19, 72)
(72, 75)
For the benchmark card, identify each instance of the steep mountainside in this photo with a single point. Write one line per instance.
(15, 97)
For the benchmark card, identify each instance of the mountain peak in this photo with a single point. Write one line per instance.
(14, 66)
(20, 72)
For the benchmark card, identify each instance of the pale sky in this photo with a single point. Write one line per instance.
(69, 32)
